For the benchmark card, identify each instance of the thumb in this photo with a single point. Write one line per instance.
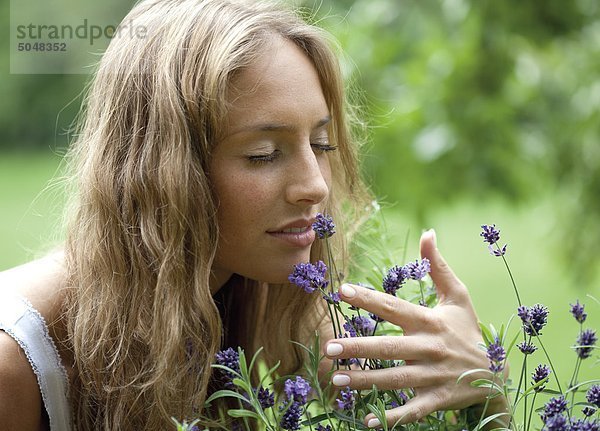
(448, 286)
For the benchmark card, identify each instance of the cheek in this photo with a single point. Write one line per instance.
(243, 200)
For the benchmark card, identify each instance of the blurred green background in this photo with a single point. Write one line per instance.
(478, 112)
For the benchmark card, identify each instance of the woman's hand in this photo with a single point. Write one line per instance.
(439, 344)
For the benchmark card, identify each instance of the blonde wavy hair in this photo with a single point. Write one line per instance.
(142, 229)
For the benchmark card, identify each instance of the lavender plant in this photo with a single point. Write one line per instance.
(559, 412)
(310, 402)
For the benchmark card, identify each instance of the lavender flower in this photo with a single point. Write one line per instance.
(291, 418)
(534, 318)
(347, 399)
(593, 395)
(526, 348)
(265, 398)
(496, 354)
(394, 279)
(584, 425)
(585, 343)
(490, 234)
(554, 407)
(359, 326)
(541, 373)
(418, 270)
(323, 428)
(578, 311)
(332, 297)
(231, 359)
(375, 317)
(297, 390)
(498, 252)
(309, 277)
(323, 226)
(556, 423)
(588, 411)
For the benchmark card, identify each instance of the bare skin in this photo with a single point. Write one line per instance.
(41, 282)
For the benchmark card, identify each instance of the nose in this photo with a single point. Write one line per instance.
(308, 179)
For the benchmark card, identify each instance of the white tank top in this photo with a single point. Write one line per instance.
(27, 327)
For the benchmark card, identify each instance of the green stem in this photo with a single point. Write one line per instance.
(539, 339)
(512, 279)
(531, 413)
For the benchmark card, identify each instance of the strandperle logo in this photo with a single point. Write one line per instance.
(84, 31)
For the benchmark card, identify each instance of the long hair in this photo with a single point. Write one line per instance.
(142, 229)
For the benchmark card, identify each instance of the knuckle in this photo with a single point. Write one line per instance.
(389, 305)
(388, 348)
(438, 350)
(398, 379)
(416, 413)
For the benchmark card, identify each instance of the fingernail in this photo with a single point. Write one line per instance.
(373, 423)
(334, 349)
(433, 235)
(348, 291)
(341, 380)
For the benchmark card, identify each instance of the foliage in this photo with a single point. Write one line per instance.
(465, 98)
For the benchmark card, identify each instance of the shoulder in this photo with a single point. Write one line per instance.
(41, 282)
(20, 399)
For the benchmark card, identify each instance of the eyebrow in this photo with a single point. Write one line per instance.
(274, 127)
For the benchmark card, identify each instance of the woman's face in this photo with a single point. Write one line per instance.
(271, 171)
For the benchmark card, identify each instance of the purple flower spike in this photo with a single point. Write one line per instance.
(323, 226)
(297, 390)
(346, 400)
(228, 358)
(394, 279)
(265, 397)
(584, 425)
(554, 407)
(418, 270)
(359, 326)
(490, 234)
(332, 297)
(557, 423)
(534, 318)
(309, 277)
(588, 411)
(578, 312)
(593, 395)
(323, 428)
(541, 373)
(291, 418)
(526, 348)
(498, 252)
(585, 343)
(496, 354)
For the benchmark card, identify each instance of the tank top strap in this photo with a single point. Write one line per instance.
(27, 327)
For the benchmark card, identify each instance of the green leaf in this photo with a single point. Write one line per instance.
(225, 393)
(487, 335)
(241, 413)
(473, 371)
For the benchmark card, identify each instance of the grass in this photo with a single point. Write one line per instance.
(30, 218)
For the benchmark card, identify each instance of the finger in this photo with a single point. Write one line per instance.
(414, 410)
(409, 376)
(388, 307)
(449, 287)
(406, 347)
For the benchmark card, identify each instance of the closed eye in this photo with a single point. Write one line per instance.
(323, 147)
(264, 158)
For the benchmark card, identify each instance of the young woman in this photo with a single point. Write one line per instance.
(206, 149)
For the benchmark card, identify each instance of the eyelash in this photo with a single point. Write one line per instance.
(267, 158)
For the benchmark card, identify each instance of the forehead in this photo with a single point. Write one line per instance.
(280, 85)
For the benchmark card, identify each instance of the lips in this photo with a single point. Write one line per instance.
(298, 233)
